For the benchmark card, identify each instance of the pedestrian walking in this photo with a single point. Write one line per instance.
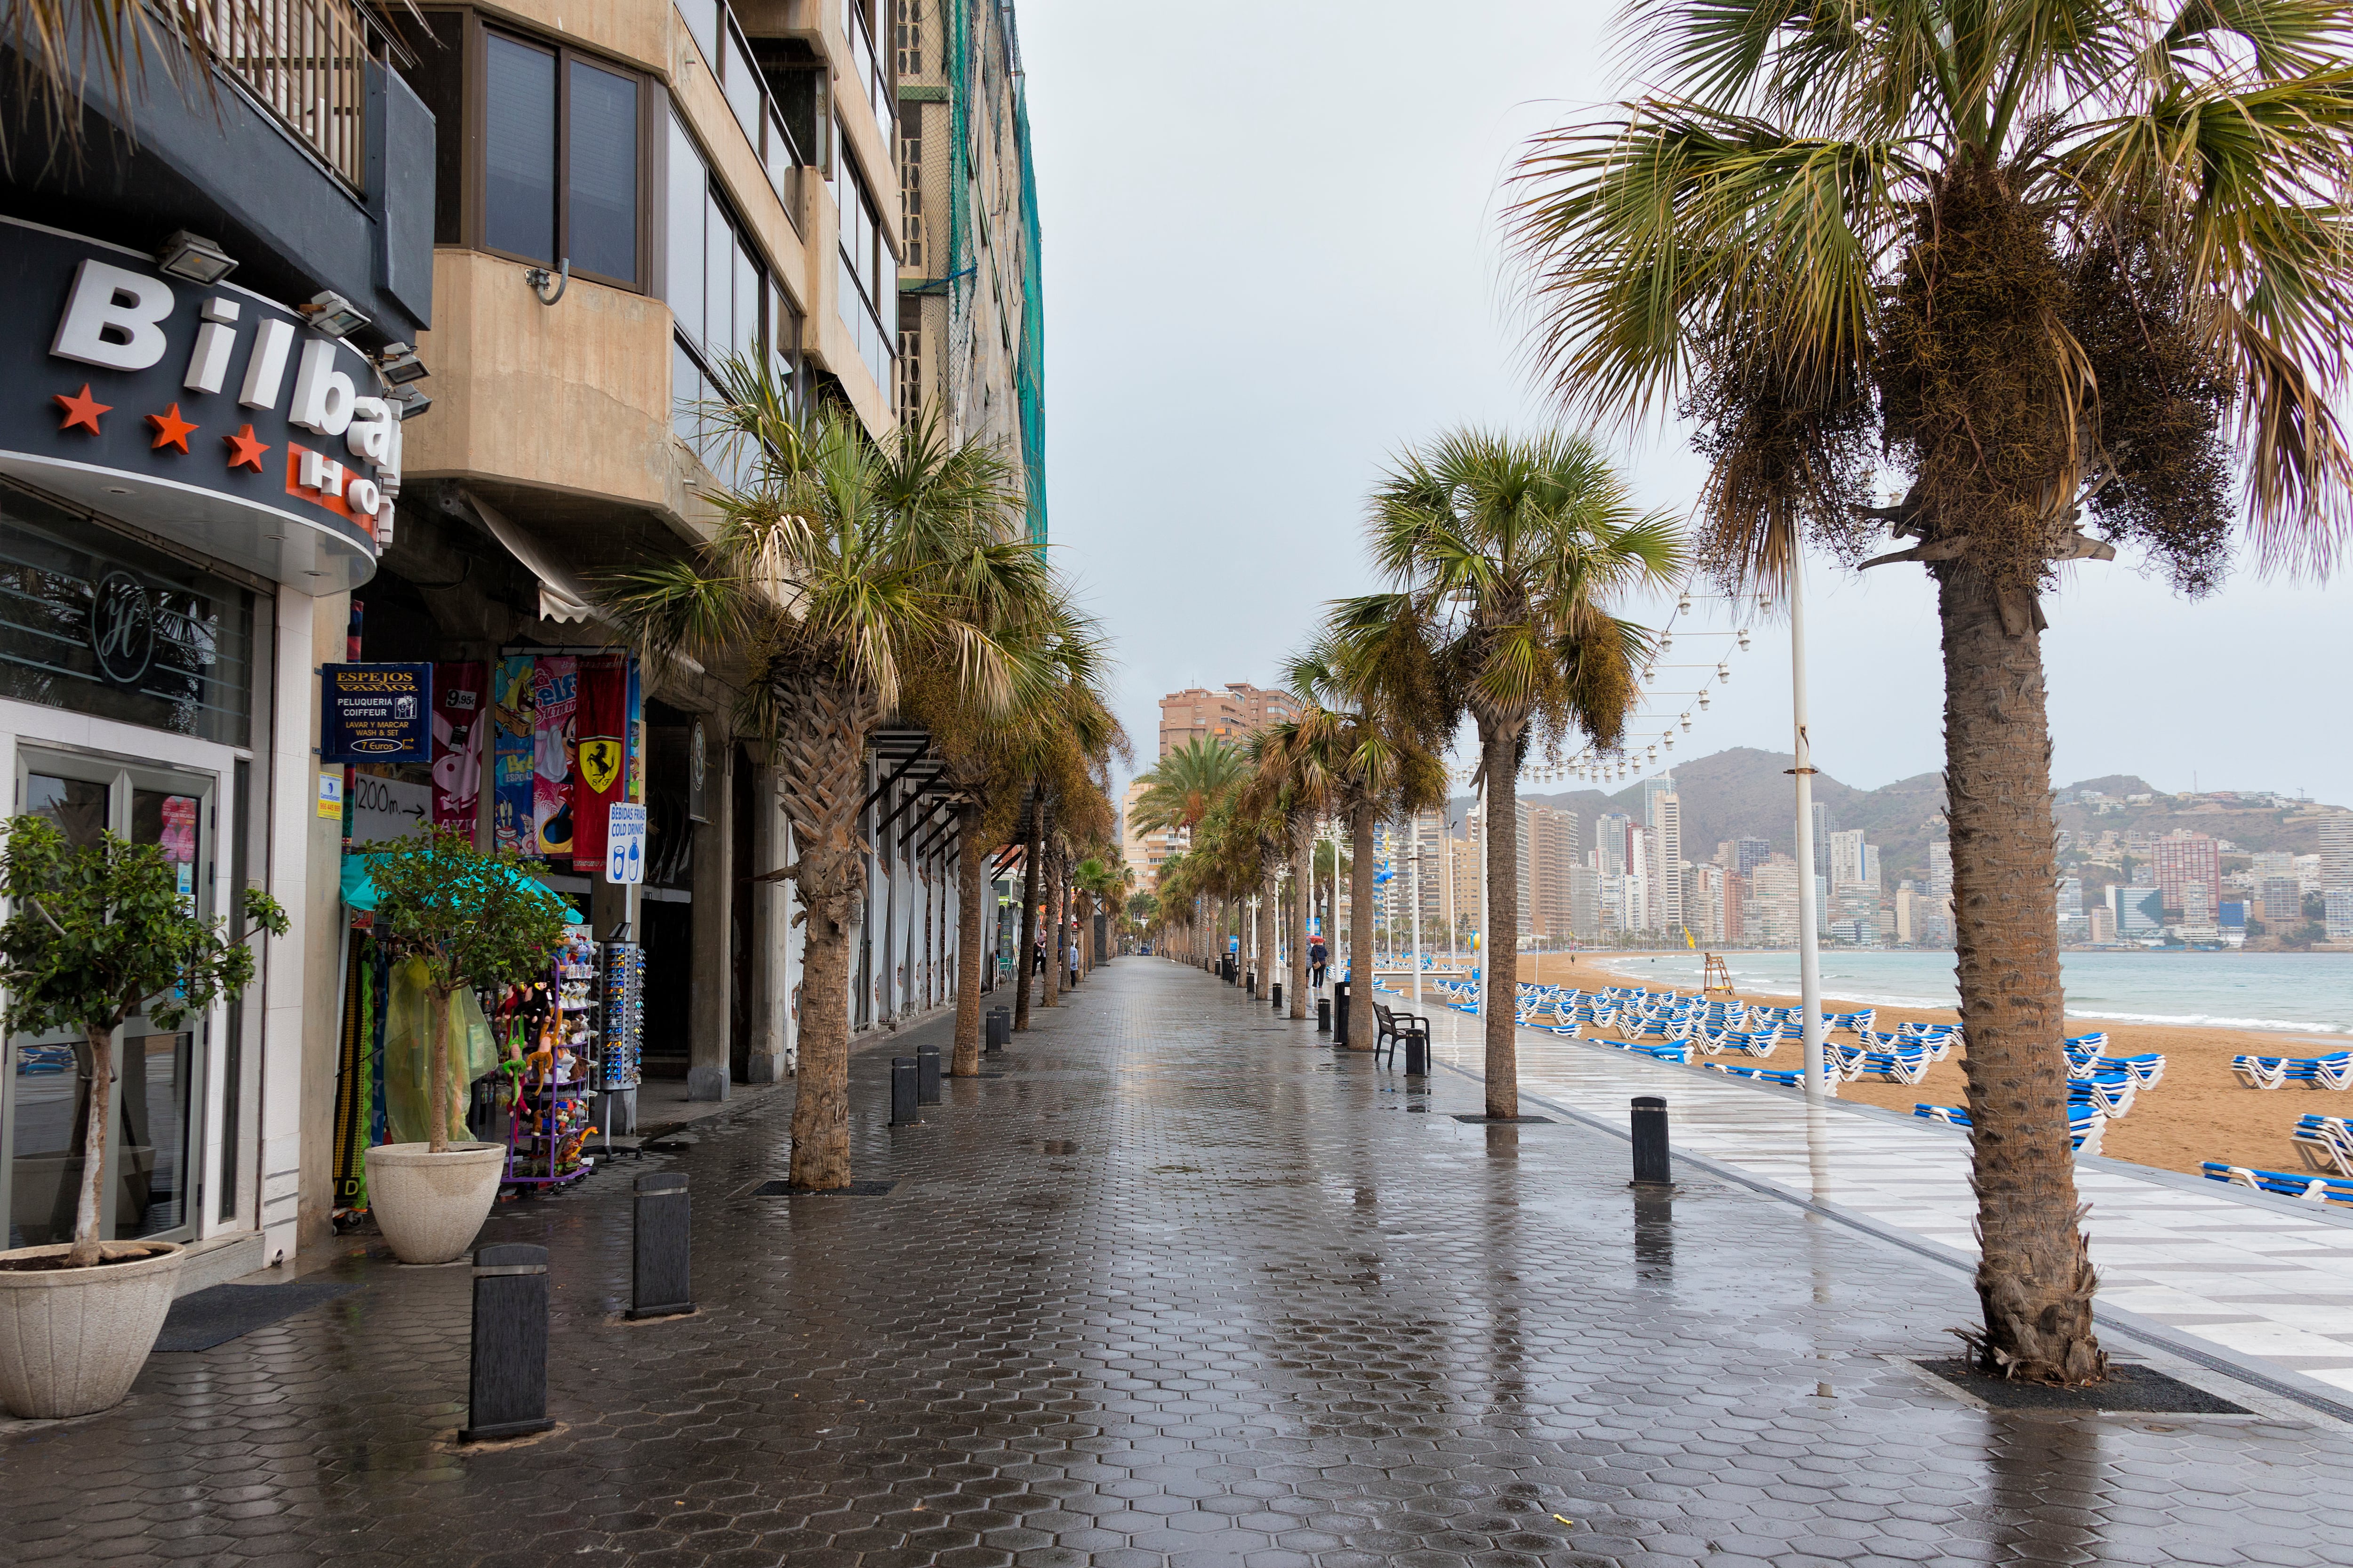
(1316, 956)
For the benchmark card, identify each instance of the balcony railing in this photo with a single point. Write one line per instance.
(306, 61)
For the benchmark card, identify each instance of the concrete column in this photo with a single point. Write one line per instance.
(771, 1000)
(707, 1042)
(299, 1130)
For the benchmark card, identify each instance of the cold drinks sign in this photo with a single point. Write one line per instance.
(377, 713)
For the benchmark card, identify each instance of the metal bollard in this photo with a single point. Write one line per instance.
(1339, 1012)
(902, 1093)
(1323, 1015)
(1650, 1167)
(1417, 1055)
(927, 1075)
(661, 1276)
(1276, 992)
(1249, 983)
(506, 1388)
(1000, 1027)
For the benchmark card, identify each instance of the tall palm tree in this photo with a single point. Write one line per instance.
(2050, 261)
(1179, 793)
(1505, 556)
(1361, 741)
(836, 567)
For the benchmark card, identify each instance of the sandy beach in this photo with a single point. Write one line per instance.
(2199, 1112)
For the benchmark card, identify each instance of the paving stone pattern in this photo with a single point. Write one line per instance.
(1181, 1289)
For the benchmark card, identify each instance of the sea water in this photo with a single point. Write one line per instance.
(2297, 992)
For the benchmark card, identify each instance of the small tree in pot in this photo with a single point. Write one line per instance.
(95, 933)
(474, 918)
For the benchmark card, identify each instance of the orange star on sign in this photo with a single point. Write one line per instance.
(244, 451)
(171, 430)
(81, 409)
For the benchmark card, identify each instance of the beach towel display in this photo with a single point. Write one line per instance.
(555, 704)
(461, 711)
(513, 745)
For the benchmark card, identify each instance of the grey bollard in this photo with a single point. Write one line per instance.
(1650, 1167)
(1323, 1015)
(927, 1075)
(902, 1093)
(1417, 1055)
(1339, 1012)
(1249, 983)
(1000, 1027)
(661, 1274)
(506, 1387)
(1276, 992)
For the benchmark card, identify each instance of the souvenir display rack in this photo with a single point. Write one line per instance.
(619, 1041)
(555, 1029)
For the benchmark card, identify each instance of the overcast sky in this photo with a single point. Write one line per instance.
(1271, 258)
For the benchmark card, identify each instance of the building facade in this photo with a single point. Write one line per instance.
(1232, 715)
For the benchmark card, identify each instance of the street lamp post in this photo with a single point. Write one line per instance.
(1809, 963)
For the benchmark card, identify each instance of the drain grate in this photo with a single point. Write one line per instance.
(780, 1188)
(2130, 1386)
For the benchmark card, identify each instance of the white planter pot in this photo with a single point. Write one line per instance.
(428, 1205)
(72, 1339)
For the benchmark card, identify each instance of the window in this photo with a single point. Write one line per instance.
(725, 304)
(911, 184)
(869, 276)
(539, 149)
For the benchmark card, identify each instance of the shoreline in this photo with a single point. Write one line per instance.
(2199, 1111)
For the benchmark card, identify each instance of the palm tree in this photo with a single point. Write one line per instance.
(1060, 729)
(1360, 741)
(2048, 260)
(1183, 788)
(836, 568)
(1505, 556)
(1297, 775)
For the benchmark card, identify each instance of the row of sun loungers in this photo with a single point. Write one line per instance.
(2084, 1125)
(2311, 1072)
(2287, 1183)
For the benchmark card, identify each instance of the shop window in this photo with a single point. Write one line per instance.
(96, 623)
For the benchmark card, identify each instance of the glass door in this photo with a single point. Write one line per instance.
(152, 1136)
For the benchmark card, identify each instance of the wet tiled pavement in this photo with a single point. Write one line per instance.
(1181, 1289)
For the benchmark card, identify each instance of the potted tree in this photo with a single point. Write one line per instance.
(94, 934)
(476, 919)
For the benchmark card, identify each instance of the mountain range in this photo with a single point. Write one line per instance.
(1747, 793)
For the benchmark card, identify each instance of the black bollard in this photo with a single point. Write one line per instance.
(661, 1276)
(1249, 983)
(1276, 991)
(1323, 1015)
(506, 1389)
(1339, 1012)
(1000, 1027)
(927, 1075)
(1650, 1168)
(1417, 1055)
(902, 1093)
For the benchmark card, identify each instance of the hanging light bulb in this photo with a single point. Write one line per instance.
(1671, 742)
(1666, 641)
(1687, 723)
(1744, 639)
(1649, 670)
(1703, 700)
(1683, 603)
(1724, 672)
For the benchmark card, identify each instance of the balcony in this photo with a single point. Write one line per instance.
(306, 62)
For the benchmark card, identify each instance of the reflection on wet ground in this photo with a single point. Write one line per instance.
(1181, 1289)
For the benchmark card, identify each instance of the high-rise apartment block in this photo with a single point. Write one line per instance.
(2279, 902)
(1704, 888)
(2336, 852)
(1232, 715)
(1747, 854)
(1769, 914)
(1553, 855)
(2186, 859)
(1145, 850)
(1662, 815)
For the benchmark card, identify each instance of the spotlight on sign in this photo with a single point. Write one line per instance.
(195, 257)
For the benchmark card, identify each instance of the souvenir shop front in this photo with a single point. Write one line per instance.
(186, 471)
(540, 750)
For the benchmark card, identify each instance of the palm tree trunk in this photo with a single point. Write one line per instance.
(87, 1250)
(1498, 1008)
(1302, 849)
(970, 853)
(832, 876)
(1057, 931)
(2034, 1274)
(436, 1080)
(1362, 1024)
(1033, 876)
(1265, 937)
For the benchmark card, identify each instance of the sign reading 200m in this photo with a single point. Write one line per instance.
(111, 366)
